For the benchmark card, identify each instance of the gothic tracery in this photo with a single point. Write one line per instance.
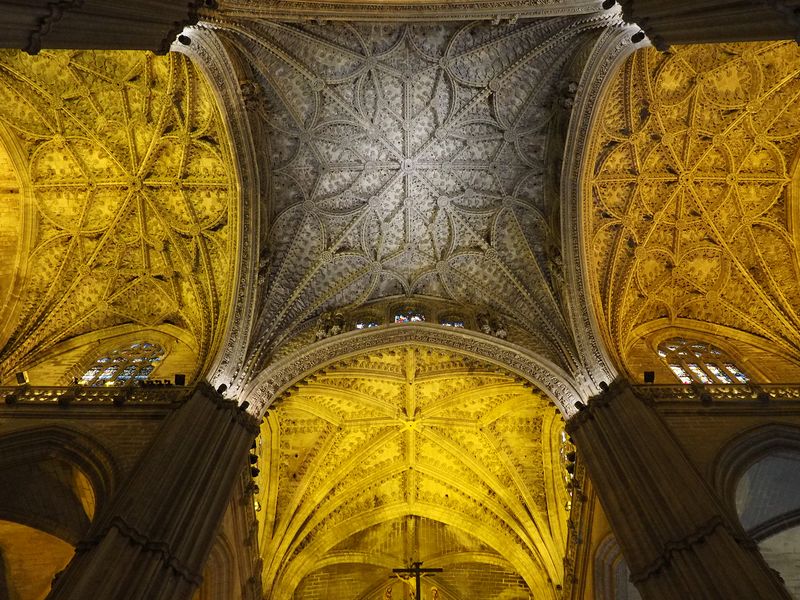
(691, 188)
(132, 205)
(370, 440)
(410, 160)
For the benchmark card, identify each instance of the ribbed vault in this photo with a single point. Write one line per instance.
(411, 160)
(123, 206)
(409, 453)
(691, 198)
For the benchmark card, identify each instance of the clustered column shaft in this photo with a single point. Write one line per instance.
(677, 540)
(151, 541)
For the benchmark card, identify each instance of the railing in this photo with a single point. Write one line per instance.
(708, 394)
(85, 395)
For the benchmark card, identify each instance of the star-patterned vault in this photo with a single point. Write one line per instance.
(692, 198)
(409, 160)
(129, 209)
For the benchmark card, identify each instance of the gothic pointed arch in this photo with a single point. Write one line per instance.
(55, 479)
(432, 446)
(609, 52)
(293, 367)
(230, 80)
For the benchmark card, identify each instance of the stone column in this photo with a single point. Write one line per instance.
(153, 538)
(708, 21)
(669, 523)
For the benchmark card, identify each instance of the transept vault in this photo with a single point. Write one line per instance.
(123, 215)
(691, 220)
(411, 160)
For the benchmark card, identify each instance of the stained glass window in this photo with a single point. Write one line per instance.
(367, 323)
(681, 374)
(718, 373)
(452, 321)
(409, 315)
(698, 362)
(123, 366)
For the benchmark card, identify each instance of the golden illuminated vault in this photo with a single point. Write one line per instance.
(411, 452)
(127, 203)
(690, 191)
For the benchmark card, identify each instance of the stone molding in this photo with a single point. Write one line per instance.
(208, 53)
(613, 47)
(278, 377)
(495, 10)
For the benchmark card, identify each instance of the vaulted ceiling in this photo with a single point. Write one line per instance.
(120, 203)
(412, 453)
(691, 197)
(412, 160)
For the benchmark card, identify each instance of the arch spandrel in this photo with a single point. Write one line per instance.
(413, 432)
(687, 195)
(135, 206)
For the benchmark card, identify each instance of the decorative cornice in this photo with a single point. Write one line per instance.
(277, 377)
(315, 10)
(94, 396)
(720, 393)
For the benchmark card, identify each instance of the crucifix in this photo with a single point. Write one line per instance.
(417, 571)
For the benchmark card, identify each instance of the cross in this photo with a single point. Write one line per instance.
(417, 571)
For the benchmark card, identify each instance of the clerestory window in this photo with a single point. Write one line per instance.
(699, 362)
(409, 315)
(124, 366)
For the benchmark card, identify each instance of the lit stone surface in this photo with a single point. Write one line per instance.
(419, 148)
(131, 205)
(411, 452)
(690, 184)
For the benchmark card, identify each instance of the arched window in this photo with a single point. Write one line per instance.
(409, 315)
(124, 366)
(612, 575)
(768, 504)
(452, 321)
(699, 362)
